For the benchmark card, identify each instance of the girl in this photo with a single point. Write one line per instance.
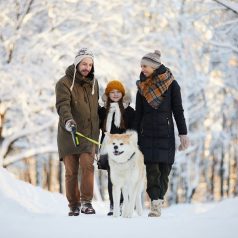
(115, 117)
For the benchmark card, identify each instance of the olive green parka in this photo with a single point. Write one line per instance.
(80, 105)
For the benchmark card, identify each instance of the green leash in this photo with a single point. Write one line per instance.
(76, 139)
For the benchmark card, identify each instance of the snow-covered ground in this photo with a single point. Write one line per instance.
(27, 211)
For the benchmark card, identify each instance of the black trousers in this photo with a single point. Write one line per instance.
(109, 186)
(157, 180)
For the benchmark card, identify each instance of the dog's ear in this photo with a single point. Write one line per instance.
(134, 136)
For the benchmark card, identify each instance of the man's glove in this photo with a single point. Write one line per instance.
(184, 142)
(70, 124)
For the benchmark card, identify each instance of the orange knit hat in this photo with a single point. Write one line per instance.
(115, 84)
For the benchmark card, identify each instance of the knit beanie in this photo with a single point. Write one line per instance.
(82, 54)
(152, 59)
(115, 84)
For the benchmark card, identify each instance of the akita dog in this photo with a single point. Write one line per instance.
(127, 171)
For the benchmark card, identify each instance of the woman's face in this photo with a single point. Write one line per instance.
(147, 70)
(115, 95)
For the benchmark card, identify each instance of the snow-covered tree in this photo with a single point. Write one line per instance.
(38, 40)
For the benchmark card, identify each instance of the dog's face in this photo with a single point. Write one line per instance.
(120, 146)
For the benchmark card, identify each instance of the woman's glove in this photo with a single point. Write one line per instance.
(184, 142)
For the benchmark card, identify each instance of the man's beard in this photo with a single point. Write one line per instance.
(85, 72)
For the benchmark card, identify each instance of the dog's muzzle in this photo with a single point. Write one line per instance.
(116, 152)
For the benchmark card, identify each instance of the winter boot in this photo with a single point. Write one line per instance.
(74, 211)
(87, 208)
(155, 209)
(110, 213)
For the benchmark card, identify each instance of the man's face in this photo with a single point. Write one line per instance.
(147, 70)
(85, 66)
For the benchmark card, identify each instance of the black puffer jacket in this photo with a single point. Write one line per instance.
(128, 117)
(155, 126)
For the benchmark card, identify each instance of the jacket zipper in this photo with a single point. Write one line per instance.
(89, 109)
(142, 130)
(168, 125)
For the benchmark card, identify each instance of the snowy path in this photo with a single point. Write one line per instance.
(27, 211)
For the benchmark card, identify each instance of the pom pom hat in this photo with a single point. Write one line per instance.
(82, 54)
(152, 59)
(115, 84)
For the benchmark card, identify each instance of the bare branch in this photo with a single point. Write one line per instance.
(227, 5)
(224, 46)
(22, 18)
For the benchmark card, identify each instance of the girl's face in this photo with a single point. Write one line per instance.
(115, 95)
(147, 70)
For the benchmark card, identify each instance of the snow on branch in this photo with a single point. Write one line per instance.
(8, 141)
(29, 153)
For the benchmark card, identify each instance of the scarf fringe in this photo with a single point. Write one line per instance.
(114, 110)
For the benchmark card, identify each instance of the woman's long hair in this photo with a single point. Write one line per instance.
(120, 103)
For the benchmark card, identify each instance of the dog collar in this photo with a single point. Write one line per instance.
(128, 159)
(131, 156)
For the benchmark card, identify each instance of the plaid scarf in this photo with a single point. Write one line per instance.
(154, 88)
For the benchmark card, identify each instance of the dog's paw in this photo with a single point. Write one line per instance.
(124, 214)
(124, 210)
(116, 214)
(127, 215)
(140, 213)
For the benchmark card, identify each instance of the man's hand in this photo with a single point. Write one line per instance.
(70, 124)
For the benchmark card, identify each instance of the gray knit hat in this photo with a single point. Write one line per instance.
(82, 54)
(152, 59)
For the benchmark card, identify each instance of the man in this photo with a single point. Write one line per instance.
(77, 105)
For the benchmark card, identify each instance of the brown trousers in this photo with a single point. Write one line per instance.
(75, 195)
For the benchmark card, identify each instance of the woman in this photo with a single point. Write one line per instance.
(157, 99)
(115, 117)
